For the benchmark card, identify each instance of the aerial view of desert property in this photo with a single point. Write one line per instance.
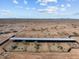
(39, 39)
(39, 29)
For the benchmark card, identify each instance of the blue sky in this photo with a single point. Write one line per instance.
(39, 9)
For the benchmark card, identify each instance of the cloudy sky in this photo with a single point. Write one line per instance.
(39, 8)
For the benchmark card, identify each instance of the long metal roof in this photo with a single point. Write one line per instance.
(50, 39)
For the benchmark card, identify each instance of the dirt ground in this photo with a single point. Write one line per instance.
(74, 54)
(41, 29)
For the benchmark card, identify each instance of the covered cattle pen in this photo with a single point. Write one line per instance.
(16, 39)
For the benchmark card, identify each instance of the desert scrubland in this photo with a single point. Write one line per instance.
(39, 29)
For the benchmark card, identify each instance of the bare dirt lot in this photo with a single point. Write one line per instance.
(71, 55)
(39, 29)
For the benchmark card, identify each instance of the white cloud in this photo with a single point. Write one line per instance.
(15, 2)
(33, 8)
(19, 6)
(43, 4)
(5, 12)
(25, 2)
(52, 9)
(46, 1)
(62, 5)
(27, 8)
(68, 5)
(63, 9)
(71, 0)
(41, 10)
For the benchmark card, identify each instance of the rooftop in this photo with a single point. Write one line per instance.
(43, 39)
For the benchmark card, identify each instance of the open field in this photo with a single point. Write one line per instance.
(39, 29)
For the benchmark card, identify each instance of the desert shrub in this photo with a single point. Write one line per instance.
(13, 47)
(75, 33)
(60, 47)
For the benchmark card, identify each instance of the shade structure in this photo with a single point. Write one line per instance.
(43, 39)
